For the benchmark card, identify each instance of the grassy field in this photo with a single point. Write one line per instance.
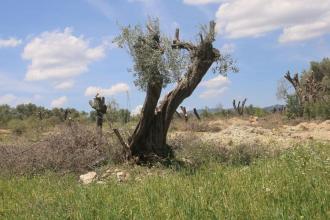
(293, 185)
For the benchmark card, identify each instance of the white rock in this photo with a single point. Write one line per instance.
(122, 176)
(88, 177)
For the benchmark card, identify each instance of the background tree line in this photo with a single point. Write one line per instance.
(307, 94)
(31, 113)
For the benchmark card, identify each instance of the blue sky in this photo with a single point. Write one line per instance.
(58, 53)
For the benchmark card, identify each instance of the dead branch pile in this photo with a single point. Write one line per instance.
(73, 149)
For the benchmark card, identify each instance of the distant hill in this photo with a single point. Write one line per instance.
(270, 108)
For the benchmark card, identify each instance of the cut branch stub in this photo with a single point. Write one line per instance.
(296, 85)
(211, 34)
(177, 44)
(66, 114)
(40, 115)
(240, 106)
(184, 111)
(178, 114)
(196, 114)
(177, 35)
(98, 104)
(243, 106)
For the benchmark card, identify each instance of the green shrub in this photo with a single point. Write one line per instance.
(255, 111)
(293, 107)
(206, 112)
(318, 110)
(17, 126)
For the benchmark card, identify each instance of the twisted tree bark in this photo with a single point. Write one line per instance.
(149, 138)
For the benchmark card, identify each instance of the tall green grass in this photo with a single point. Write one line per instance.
(294, 185)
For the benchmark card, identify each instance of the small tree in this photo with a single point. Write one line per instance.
(159, 61)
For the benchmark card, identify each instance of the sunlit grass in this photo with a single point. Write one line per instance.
(294, 185)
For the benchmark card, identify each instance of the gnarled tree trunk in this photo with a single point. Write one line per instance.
(149, 138)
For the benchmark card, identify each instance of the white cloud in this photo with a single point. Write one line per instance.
(298, 19)
(59, 102)
(13, 100)
(59, 54)
(65, 85)
(10, 42)
(201, 2)
(214, 87)
(212, 93)
(228, 48)
(137, 110)
(113, 90)
(216, 82)
(305, 31)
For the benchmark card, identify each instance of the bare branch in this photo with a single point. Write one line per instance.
(201, 37)
(177, 44)
(150, 29)
(126, 148)
(177, 34)
(211, 34)
(184, 111)
(178, 114)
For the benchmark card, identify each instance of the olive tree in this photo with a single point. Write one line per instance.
(159, 61)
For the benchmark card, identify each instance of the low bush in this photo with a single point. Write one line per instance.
(70, 149)
(17, 126)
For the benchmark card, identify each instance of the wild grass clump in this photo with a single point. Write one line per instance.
(195, 151)
(71, 148)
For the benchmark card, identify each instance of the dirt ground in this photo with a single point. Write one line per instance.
(4, 131)
(255, 131)
(271, 131)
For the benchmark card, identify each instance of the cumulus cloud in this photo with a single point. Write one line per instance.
(216, 82)
(212, 93)
(214, 87)
(137, 110)
(13, 100)
(59, 102)
(65, 85)
(59, 54)
(298, 19)
(113, 90)
(10, 42)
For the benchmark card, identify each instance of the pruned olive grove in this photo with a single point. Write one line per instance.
(160, 61)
